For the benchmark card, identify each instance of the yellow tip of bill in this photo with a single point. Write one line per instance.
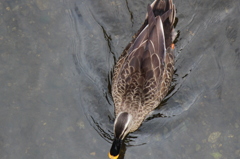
(112, 157)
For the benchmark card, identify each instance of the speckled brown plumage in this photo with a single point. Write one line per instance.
(143, 73)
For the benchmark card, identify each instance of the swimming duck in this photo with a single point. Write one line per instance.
(143, 73)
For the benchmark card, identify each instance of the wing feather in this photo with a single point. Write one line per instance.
(143, 72)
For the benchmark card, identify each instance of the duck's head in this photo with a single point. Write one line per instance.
(122, 125)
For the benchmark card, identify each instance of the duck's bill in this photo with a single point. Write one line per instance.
(115, 149)
(112, 157)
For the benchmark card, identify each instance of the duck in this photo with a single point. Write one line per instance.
(143, 73)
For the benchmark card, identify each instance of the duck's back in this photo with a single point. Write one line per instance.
(144, 71)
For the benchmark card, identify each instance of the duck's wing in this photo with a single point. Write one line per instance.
(165, 9)
(140, 75)
(153, 61)
(148, 51)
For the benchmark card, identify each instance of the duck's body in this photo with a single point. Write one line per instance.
(143, 73)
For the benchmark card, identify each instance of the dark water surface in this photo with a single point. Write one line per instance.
(56, 61)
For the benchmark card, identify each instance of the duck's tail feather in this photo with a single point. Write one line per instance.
(151, 20)
(161, 7)
(167, 11)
